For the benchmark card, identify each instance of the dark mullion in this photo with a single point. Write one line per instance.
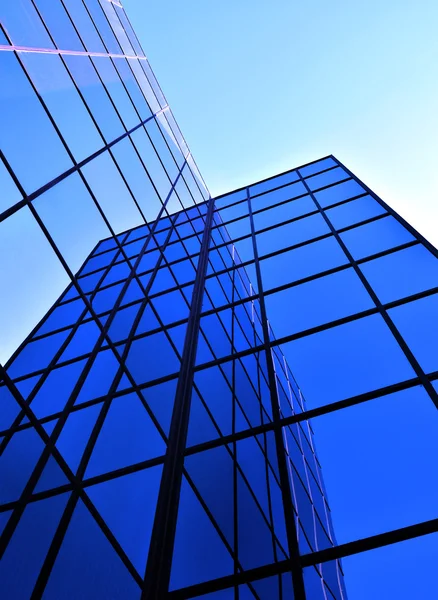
(74, 169)
(297, 575)
(319, 238)
(51, 556)
(41, 464)
(382, 311)
(158, 566)
(307, 560)
(85, 105)
(233, 430)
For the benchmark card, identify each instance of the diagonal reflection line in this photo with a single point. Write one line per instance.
(12, 48)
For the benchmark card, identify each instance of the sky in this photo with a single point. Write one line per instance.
(260, 87)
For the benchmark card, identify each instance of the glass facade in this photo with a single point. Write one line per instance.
(182, 352)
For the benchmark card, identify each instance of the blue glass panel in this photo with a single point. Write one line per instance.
(87, 566)
(277, 511)
(351, 359)
(117, 272)
(58, 91)
(284, 212)
(76, 433)
(266, 589)
(417, 322)
(9, 408)
(255, 539)
(105, 299)
(82, 342)
(148, 321)
(56, 389)
(338, 193)
(281, 195)
(137, 178)
(274, 182)
(238, 210)
(199, 554)
(24, 26)
(316, 302)
(150, 158)
(10, 194)
(17, 463)
(354, 212)
(230, 198)
(212, 473)
(327, 178)
(127, 419)
(84, 25)
(402, 273)
(302, 262)
(98, 262)
(39, 271)
(59, 25)
(25, 554)
(83, 72)
(134, 91)
(63, 316)
(152, 357)
(375, 237)
(239, 228)
(171, 307)
(133, 293)
(163, 281)
(37, 355)
(217, 395)
(215, 333)
(160, 399)
(291, 234)
(314, 584)
(253, 464)
(185, 271)
(52, 476)
(201, 427)
(114, 86)
(122, 323)
(111, 193)
(34, 163)
(100, 377)
(318, 166)
(127, 504)
(246, 395)
(103, 26)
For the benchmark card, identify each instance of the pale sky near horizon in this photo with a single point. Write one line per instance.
(260, 87)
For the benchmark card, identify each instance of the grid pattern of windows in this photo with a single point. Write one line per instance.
(154, 440)
(88, 147)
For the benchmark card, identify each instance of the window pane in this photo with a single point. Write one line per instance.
(34, 163)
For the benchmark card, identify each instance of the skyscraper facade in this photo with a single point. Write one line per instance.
(157, 422)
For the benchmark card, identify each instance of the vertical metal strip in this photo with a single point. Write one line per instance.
(292, 538)
(158, 568)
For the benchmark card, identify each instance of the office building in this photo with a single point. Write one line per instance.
(157, 422)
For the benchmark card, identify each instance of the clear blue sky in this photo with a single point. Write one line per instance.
(259, 87)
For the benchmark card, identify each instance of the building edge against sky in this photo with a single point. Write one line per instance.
(119, 164)
(276, 205)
